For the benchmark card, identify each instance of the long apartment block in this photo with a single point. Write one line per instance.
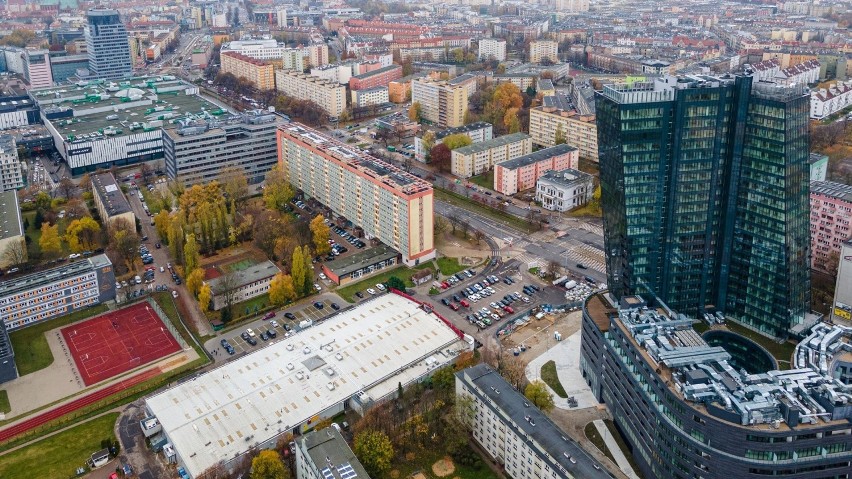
(328, 95)
(40, 296)
(557, 113)
(388, 203)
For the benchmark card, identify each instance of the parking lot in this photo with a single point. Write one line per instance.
(285, 325)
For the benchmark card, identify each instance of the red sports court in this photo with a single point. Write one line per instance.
(113, 343)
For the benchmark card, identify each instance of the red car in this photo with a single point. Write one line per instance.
(445, 285)
(269, 315)
(454, 306)
(508, 309)
(464, 303)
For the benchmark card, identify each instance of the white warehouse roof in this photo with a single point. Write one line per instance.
(221, 414)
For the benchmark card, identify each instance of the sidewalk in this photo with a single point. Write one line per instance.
(566, 355)
(616, 452)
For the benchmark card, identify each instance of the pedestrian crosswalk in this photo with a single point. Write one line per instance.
(589, 256)
(596, 229)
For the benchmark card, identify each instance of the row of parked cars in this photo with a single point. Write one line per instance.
(350, 238)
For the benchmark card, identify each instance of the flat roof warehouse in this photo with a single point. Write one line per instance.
(249, 402)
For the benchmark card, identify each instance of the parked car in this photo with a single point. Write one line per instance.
(269, 315)
(289, 315)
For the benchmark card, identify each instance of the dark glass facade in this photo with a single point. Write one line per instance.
(704, 184)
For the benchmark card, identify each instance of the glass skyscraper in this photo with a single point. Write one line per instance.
(108, 46)
(704, 190)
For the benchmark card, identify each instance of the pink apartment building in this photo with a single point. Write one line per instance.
(831, 214)
(521, 173)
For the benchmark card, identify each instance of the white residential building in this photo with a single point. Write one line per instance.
(516, 434)
(492, 47)
(247, 283)
(828, 101)
(10, 165)
(328, 95)
(259, 49)
(338, 72)
(541, 49)
(804, 73)
(564, 190)
(478, 158)
(370, 96)
(324, 454)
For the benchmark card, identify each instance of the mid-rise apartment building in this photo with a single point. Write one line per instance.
(375, 78)
(110, 201)
(492, 48)
(564, 190)
(37, 70)
(10, 165)
(521, 173)
(828, 101)
(198, 153)
(521, 80)
(478, 158)
(541, 50)
(260, 73)
(324, 454)
(388, 203)
(831, 223)
(13, 246)
(328, 95)
(40, 296)
(339, 72)
(441, 103)
(516, 434)
(477, 132)
(268, 49)
(370, 96)
(107, 45)
(842, 307)
(246, 284)
(558, 117)
(818, 166)
(399, 91)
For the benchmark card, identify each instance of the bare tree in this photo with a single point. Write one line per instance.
(146, 171)
(228, 285)
(66, 187)
(454, 220)
(76, 208)
(478, 236)
(15, 253)
(552, 269)
(465, 227)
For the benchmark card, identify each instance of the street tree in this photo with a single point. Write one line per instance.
(83, 234)
(66, 187)
(441, 157)
(194, 281)
(321, 234)
(301, 276)
(145, 171)
(205, 295)
(426, 144)
(268, 465)
(50, 243)
(478, 235)
(415, 112)
(227, 286)
(375, 451)
(281, 289)
(190, 253)
(277, 192)
(538, 394)
(123, 243)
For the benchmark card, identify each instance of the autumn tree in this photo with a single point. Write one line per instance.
(457, 140)
(301, 276)
(268, 465)
(66, 187)
(50, 243)
(161, 223)
(234, 183)
(76, 208)
(426, 144)
(176, 236)
(277, 192)
(268, 229)
(538, 394)
(559, 136)
(205, 295)
(123, 246)
(375, 451)
(281, 290)
(86, 182)
(441, 157)
(415, 112)
(444, 379)
(190, 253)
(321, 234)
(511, 121)
(194, 280)
(83, 234)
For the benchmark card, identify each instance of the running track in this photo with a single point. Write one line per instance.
(76, 404)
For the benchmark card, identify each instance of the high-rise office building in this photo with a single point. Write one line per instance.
(704, 187)
(106, 42)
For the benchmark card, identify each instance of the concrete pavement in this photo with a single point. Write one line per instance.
(617, 454)
(566, 355)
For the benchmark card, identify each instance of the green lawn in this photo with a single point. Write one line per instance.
(485, 180)
(449, 266)
(59, 455)
(348, 292)
(613, 431)
(468, 204)
(549, 376)
(5, 406)
(30, 345)
(424, 460)
(261, 302)
(783, 352)
(594, 436)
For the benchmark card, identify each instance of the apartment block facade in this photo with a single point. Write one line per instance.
(10, 165)
(828, 101)
(544, 49)
(492, 48)
(197, 154)
(37, 70)
(831, 223)
(388, 203)
(564, 190)
(259, 49)
(559, 117)
(370, 96)
(328, 95)
(441, 102)
(523, 172)
(375, 78)
(682, 160)
(478, 158)
(260, 73)
(37, 297)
